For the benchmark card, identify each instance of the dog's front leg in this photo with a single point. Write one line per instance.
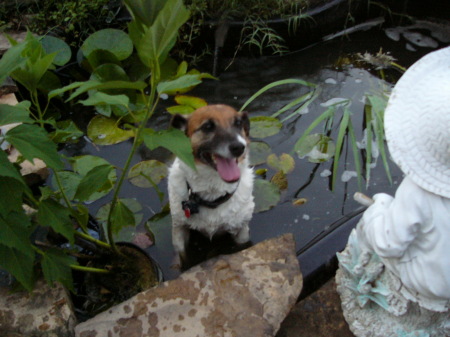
(243, 235)
(180, 238)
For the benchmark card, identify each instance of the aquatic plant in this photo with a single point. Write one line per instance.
(124, 88)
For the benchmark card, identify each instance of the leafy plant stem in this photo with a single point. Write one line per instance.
(87, 237)
(90, 269)
(151, 105)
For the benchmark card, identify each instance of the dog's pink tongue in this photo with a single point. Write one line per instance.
(228, 169)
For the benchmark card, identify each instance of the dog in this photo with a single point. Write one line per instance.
(217, 197)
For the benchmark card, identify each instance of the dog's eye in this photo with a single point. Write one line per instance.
(208, 126)
(238, 123)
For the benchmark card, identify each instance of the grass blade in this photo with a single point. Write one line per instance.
(295, 102)
(339, 141)
(273, 85)
(351, 133)
(299, 111)
(369, 117)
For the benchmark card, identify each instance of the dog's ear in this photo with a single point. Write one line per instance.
(179, 122)
(245, 122)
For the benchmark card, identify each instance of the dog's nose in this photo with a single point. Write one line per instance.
(236, 149)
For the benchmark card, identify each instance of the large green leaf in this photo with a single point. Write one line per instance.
(317, 147)
(154, 42)
(121, 217)
(266, 194)
(66, 132)
(12, 60)
(14, 114)
(115, 41)
(259, 151)
(96, 180)
(174, 140)
(145, 11)
(31, 75)
(147, 173)
(63, 52)
(56, 267)
(11, 195)
(263, 126)
(20, 265)
(7, 169)
(179, 85)
(105, 131)
(33, 142)
(15, 232)
(53, 214)
(283, 163)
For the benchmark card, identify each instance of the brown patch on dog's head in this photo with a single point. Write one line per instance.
(218, 135)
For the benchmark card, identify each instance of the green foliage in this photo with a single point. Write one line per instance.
(123, 88)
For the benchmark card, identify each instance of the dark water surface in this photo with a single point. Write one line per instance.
(317, 64)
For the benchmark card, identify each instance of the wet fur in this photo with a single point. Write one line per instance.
(230, 129)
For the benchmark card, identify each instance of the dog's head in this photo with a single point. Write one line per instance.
(219, 138)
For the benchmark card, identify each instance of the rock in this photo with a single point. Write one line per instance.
(45, 312)
(244, 294)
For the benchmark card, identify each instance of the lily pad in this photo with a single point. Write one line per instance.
(266, 194)
(283, 163)
(52, 44)
(147, 173)
(317, 147)
(259, 151)
(280, 180)
(113, 40)
(105, 131)
(263, 126)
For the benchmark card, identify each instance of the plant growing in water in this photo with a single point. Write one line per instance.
(125, 89)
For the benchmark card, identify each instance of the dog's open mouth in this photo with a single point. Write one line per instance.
(227, 168)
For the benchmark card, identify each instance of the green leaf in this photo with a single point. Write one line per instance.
(11, 195)
(100, 98)
(174, 140)
(259, 151)
(63, 52)
(191, 101)
(53, 214)
(33, 142)
(263, 126)
(145, 11)
(14, 114)
(69, 181)
(20, 265)
(284, 162)
(147, 173)
(179, 85)
(266, 194)
(66, 132)
(56, 267)
(31, 75)
(15, 229)
(95, 84)
(96, 180)
(154, 42)
(317, 147)
(105, 131)
(115, 41)
(121, 217)
(12, 60)
(339, 142)
(7, 169)
(180, 109)
(279, 179)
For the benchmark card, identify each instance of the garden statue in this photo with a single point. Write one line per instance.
(394, 275)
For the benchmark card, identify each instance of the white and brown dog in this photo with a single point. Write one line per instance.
(217, 197)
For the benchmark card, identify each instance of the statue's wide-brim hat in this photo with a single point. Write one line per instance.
(417, 122)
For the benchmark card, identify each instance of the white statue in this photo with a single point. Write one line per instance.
(396, 266)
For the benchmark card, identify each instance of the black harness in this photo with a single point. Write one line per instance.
(191, 206)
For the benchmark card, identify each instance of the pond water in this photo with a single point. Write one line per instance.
(324, 65)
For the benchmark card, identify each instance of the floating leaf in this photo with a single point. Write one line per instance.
(299, 202)
(113, 40)
(63, 52)
(280, 180)
(263, 126)
(105, 131)
(317, 147)
(259, 151)
(147, 173)
(266, 194)
(283, 163)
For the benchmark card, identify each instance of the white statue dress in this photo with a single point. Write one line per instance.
(411, 235)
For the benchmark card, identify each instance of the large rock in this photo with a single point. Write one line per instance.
(45, 312)
(244, 294)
